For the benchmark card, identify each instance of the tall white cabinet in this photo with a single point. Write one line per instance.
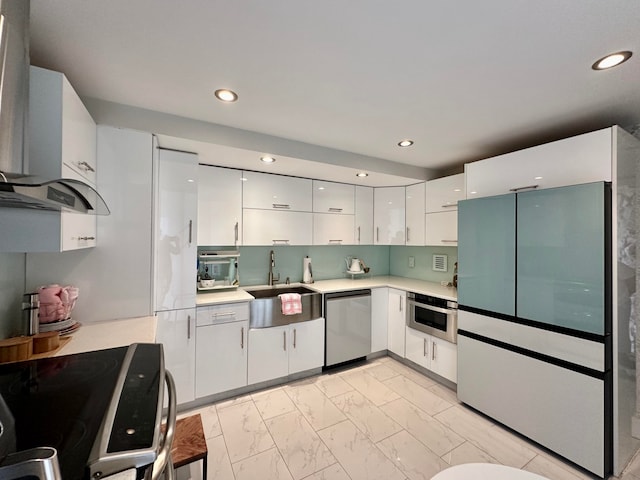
(363, 234)
(415, 208)
(175, 247)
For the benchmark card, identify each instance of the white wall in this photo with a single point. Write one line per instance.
(114, 278)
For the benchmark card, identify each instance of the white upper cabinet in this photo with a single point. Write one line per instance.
(61, 130)
(219, 206)
(442, 194)
(415, 208)
(175, 229)
(273, 227)
(331, 229)
(276, 192)
(332, 197)
(581, 159)
(363, 234)
(441, 219)
(389, 216)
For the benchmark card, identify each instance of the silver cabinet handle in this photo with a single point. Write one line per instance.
(242, 337)
(527, 187)
(86, 238)
(358, 234)
(86, 167)
(333, 209)
(400, 302)
(224, 314)
(190, 231)
(284, 343)
(407, 234)
(281, 205)
(377, 234)
(280, 242)
(235, 233)
(294, 338)
(450, 205)
(188, 327)
(335, 241)
(433, 350)
(424, 347)
(449, 241)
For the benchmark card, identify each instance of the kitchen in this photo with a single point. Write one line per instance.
(99, 277)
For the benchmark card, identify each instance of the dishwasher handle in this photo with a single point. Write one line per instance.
(348, 294)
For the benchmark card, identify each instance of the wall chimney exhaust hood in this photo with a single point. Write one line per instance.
(18, 189)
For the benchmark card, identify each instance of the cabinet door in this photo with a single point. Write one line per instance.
(332, 229)
(268, 354)
(418, 347)
(379, 318)
(389, 214)
(486, 253)
(221, 357)
(78, 230)
(364, 216)
(442, 228)
(415, 208)
(397, 321)
(443, 194)
(276, 192)
(561, 257)
(444, 359)
(219, 206)
(581, 159)
(271, 227)
(176, 332)
(332, 197)
(306, 349)
(175, 239)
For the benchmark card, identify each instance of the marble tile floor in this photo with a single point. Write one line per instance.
(381, 420)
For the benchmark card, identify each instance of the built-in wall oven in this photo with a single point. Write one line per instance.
(87, 416)
(432, 315)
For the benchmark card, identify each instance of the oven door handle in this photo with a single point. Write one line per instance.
(163, 461)
(446, 311)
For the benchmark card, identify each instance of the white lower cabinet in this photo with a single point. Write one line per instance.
(276, 352)
(221, 348)
(396, 321)
(176, 331)
(432, 353)
(379, 322)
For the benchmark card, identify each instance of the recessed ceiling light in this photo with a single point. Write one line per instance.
(456, 190)
(611, 60)
(362, 174)
(320, 188)
(405, 143)
(267, 159)
(225, 95)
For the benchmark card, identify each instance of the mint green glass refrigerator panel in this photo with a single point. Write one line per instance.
(486, 253)
(561, 257)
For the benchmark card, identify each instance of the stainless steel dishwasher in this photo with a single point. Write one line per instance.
(348, 326)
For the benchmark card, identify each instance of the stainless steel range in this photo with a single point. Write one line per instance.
(87, 416)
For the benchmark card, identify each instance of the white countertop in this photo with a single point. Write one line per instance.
(111, 334)
(339, 285)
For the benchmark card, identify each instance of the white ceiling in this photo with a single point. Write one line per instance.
(465, 79)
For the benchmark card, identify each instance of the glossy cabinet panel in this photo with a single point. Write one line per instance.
(379, 318)
(307, 345)
(397, 315)
(332, 229)
(273, 227)
(332, 197)
(561, 257)
(443, 194)
(441, 228)
(487, 253)
(176, 230)
(389, 216)
(219, 206)
(415, 209)
(276, 192)
(363, 234)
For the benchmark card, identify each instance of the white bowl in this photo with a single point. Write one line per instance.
(207, 283)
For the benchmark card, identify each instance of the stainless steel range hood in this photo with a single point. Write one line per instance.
(18, 189)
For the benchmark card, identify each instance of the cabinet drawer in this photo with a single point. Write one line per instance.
(224, 313)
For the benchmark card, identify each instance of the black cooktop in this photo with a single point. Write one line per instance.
(60, 402)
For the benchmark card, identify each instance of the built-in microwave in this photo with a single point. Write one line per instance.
(432, 315)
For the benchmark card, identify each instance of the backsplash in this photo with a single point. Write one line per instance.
(423, 257)
(12, 280)
(327, 261)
